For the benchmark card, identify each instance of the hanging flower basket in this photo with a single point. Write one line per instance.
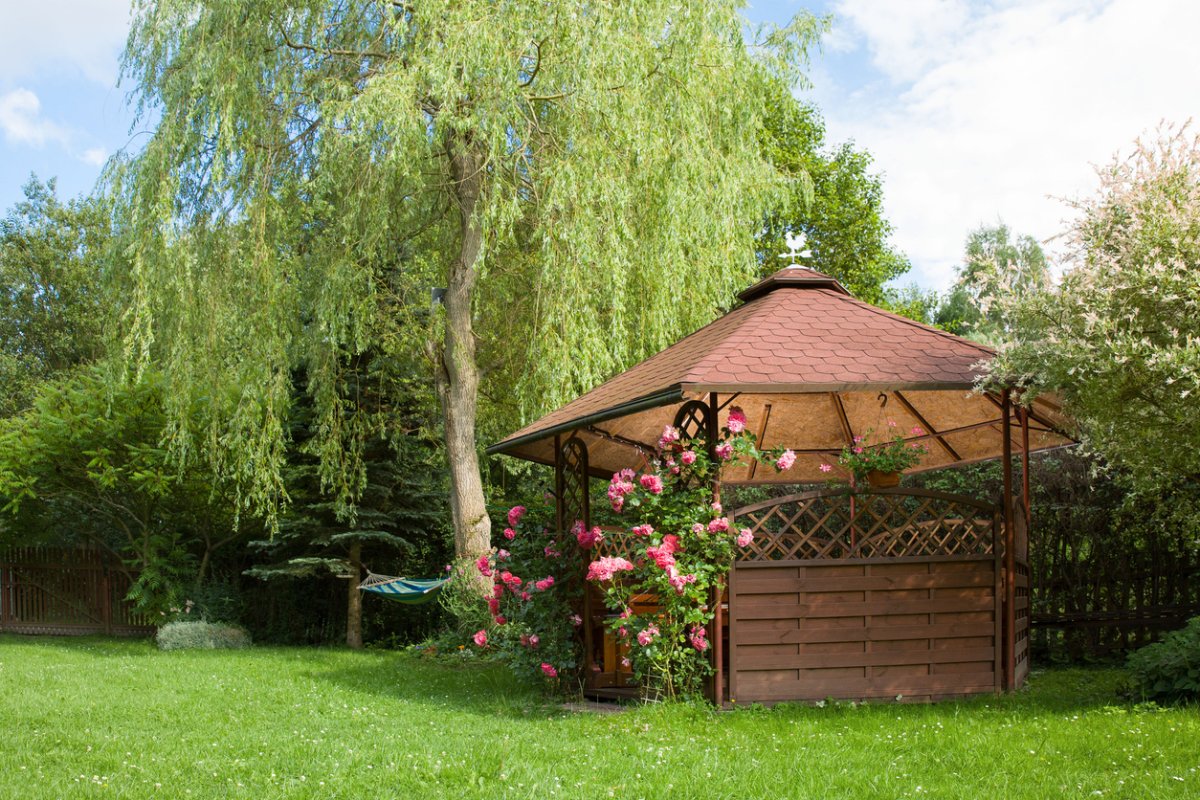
(879, 460)
(878, 479)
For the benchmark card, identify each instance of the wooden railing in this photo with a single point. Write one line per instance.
(888, 523)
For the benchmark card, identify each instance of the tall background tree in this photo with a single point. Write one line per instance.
(582, 181)
(1118, 336)
(999, 267)
(56, 302)
(835, 199)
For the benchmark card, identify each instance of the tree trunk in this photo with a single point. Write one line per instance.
(354, 599)
(457, 373)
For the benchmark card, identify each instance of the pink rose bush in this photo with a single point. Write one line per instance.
(677, 547)
(533, 611)
(678, 550)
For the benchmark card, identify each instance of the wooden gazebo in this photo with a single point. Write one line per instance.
(895, 593)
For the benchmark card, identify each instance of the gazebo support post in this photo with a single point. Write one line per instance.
(1010, 578)
(1026, 495)
(718, 646)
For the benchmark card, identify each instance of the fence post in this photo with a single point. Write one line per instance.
(5, 596)
(106, 602)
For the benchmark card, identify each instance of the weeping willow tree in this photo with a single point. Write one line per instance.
(584, 180)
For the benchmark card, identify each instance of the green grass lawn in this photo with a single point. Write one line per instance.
(98, 718)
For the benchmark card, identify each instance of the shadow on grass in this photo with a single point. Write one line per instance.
(480, 688)
(91, 645)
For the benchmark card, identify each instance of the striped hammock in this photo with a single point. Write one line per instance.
(402, 590)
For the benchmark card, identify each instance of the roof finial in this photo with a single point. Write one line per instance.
(796, 243)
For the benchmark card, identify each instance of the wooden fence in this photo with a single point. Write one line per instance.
(1096, 598)
(64, 592)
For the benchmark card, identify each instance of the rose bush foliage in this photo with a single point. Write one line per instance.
(677, 549)
(534, 595)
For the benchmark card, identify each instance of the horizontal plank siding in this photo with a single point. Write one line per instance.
(805, 630)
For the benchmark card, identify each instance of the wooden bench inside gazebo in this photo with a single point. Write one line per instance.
(893, 593)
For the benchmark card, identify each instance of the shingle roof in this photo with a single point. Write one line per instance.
(798, 331)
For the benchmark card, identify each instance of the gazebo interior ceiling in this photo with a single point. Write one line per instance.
(811, 367)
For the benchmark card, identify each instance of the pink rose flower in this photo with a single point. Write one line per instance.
(534, 640)
(550, 551)
(514, 515)
(502, 554)
(589, 539)
(745, 537)
(826, 468)
(724, 451)
(525, 596)
(737, 420)
(501, 620)
(785, 461)
(688, 457)
(550, 671)
(642, 530)
(604, 569)
(699, 638)
(718, 525)
(576, 620)
(678, 582)
(918, 431)
(652, 483)
(545, 583)
(661, 556)
(493, 605)
(647, 636)
(697, 527)
(483, 564)
(480, 638)
(669, 436)
(509, 534)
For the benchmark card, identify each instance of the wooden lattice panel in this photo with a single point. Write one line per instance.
(618, 542)
(575, 498)
(692, 421)
(834, 524)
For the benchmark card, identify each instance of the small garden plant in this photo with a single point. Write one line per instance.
(880, 452)
(1170, 670)
(201, 635)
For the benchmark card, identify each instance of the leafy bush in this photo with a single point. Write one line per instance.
(202, 636)
(1170, 669)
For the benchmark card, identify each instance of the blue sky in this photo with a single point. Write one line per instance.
(974, 111)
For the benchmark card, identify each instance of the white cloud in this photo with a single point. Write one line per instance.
(65, 35)
(94, 156)
(991, 112)
(22, 122)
